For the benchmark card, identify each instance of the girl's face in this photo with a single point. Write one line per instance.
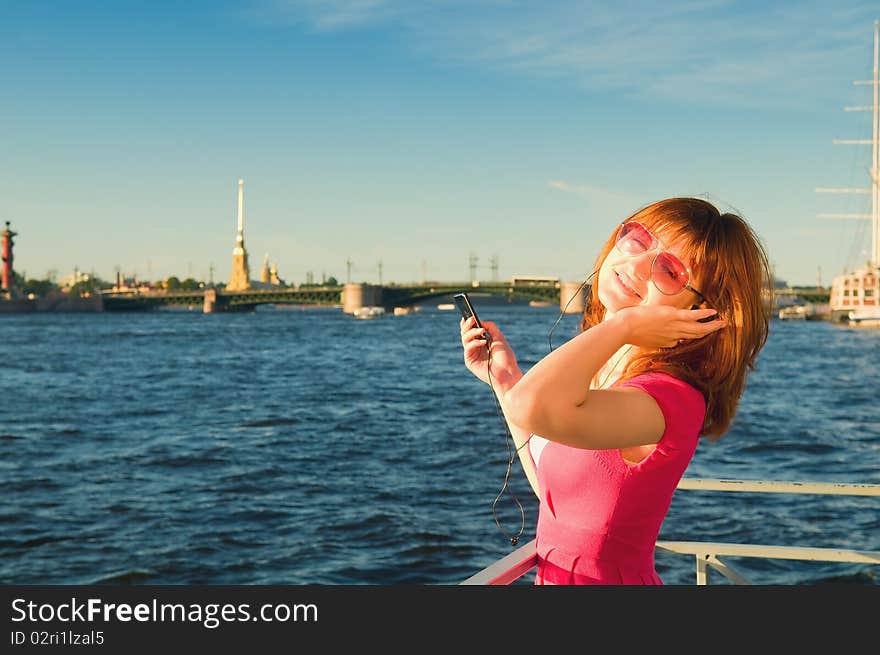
(625, 279)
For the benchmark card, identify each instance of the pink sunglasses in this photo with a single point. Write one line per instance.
(668, 272)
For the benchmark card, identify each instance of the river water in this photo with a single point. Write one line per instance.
(302, 446)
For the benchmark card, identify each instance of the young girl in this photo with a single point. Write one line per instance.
(677, 313)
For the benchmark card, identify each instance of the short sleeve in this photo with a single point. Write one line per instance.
(683, 407)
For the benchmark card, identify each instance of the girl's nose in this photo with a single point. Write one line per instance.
(640, 266)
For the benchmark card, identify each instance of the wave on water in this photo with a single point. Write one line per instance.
(235, 450)
(270, 422)
(124, 578)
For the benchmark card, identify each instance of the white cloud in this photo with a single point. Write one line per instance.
(596, 196)
(331, 15)
(714, 52)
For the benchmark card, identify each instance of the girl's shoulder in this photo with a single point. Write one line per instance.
(683, 405)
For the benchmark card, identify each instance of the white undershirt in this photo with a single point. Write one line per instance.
(536, 445)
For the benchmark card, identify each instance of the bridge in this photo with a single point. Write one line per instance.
(349, 296)
(816, 295)
(353, 296)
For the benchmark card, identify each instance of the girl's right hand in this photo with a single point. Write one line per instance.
(501, 365)
(665, 326)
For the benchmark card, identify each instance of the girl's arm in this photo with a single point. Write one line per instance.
(553, 398)
(501, 371)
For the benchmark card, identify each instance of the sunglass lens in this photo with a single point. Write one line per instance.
(669, 274)
(633, 238)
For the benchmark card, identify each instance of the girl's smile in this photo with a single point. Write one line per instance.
(626, 284)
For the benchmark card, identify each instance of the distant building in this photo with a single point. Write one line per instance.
(264, 274)
(240, 279)
(273, 276)
(268, 276)
(73, 279)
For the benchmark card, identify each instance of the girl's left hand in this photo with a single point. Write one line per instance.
(664, 326)
(478, 344)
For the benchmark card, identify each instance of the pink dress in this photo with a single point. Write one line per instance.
(599, 516)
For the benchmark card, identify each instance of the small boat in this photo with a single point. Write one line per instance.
(368, 312)
(402, 311)
(446, 306)
(540, 303)
(864, 317)
(796, 312)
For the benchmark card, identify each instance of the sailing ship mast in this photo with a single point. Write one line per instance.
(861, 290)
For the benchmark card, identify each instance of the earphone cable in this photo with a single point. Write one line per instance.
(505, 487)
(562, 313)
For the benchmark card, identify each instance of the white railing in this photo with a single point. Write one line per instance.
(514, 565)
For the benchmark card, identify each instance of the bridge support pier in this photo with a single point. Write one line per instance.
(355, 296)
(210, 303)
(572, 298)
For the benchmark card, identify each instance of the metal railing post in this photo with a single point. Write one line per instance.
(702, 568)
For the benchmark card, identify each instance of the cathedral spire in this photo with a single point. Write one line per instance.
(239, 239)
(240, 279)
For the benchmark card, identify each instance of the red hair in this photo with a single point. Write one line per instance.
(733, 272)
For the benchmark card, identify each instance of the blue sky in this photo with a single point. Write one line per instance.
(407, 136)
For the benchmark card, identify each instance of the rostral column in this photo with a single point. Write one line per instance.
(240, 279)
(7, 280)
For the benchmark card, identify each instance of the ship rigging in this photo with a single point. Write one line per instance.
(855, 295)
